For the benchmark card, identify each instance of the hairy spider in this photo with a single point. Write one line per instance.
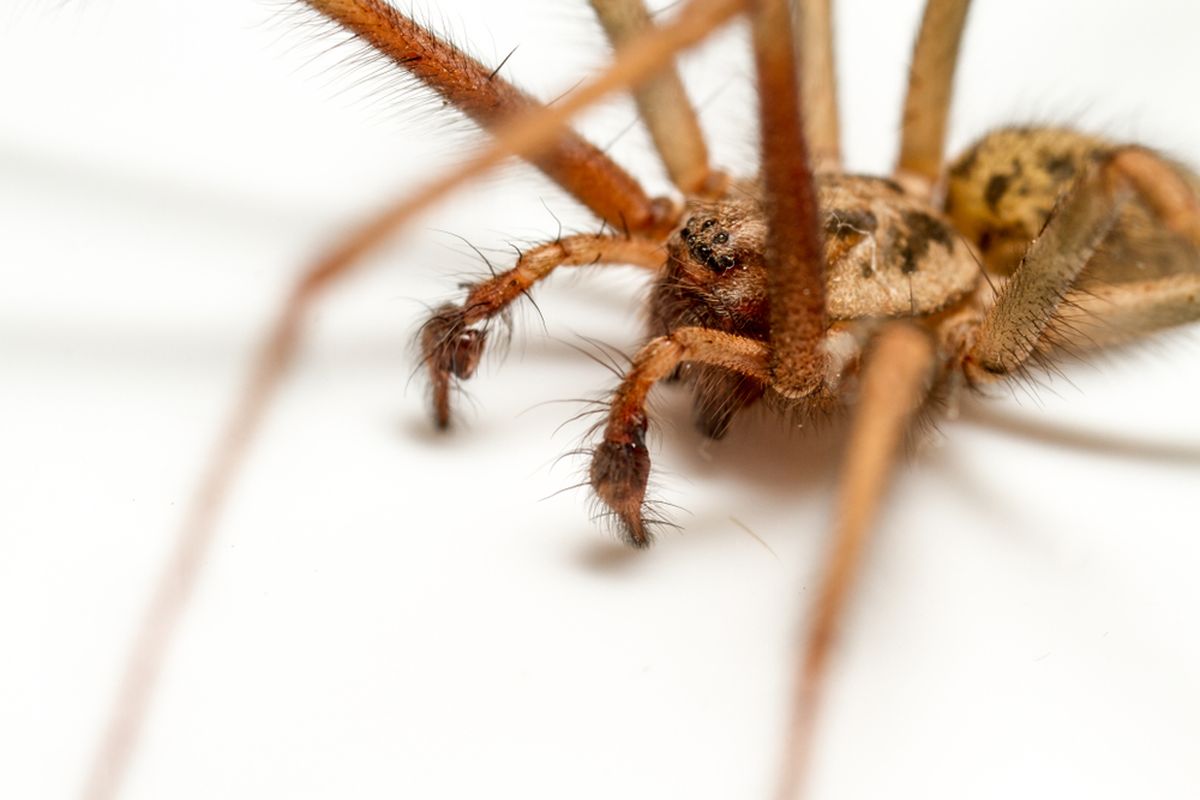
(856, 231)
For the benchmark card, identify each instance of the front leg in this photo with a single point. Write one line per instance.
(453, 339)
(621, 462)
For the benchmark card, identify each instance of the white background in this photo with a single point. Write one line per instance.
(389, 612)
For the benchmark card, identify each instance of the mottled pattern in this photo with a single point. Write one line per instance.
(887, 253)
(1002, 190)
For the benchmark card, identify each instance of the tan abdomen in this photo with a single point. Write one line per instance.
(1000, 193)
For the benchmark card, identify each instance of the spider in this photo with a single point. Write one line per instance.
(855, 227)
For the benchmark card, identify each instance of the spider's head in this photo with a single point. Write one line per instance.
(715, 275)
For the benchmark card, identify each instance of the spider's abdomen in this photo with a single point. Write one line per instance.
(1003, 189)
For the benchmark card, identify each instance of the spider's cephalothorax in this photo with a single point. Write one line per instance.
(888, 253)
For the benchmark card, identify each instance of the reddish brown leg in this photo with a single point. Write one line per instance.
(795, 260)
(477, 91)
(894, 384)
(524, 136)
(453, 339)
(621, 463)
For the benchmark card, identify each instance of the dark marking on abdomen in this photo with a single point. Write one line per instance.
(996, 187)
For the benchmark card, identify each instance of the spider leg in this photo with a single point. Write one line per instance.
(621, 463)
(477, 91)
(524, 135)
(894, 385)
(1034, 296)
(663, 105)
(453, 338)
(930, 83)
(818, 76)
(1110, 315)
(795, 260)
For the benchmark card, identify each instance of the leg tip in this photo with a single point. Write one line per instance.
(618, 476)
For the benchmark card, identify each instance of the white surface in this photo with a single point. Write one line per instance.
(393, 613)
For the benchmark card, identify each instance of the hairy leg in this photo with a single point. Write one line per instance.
(621, 462)
(1111, 315)
(664, 107)
(795, 259)
(453, 339)
(818, 75)
(930, 84)
(489, 100)
(894, 384)
(1032, 299)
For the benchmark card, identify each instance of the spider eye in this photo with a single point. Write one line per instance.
(725, 262)
(721, 238)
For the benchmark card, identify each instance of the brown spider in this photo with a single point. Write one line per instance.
(815, 295)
